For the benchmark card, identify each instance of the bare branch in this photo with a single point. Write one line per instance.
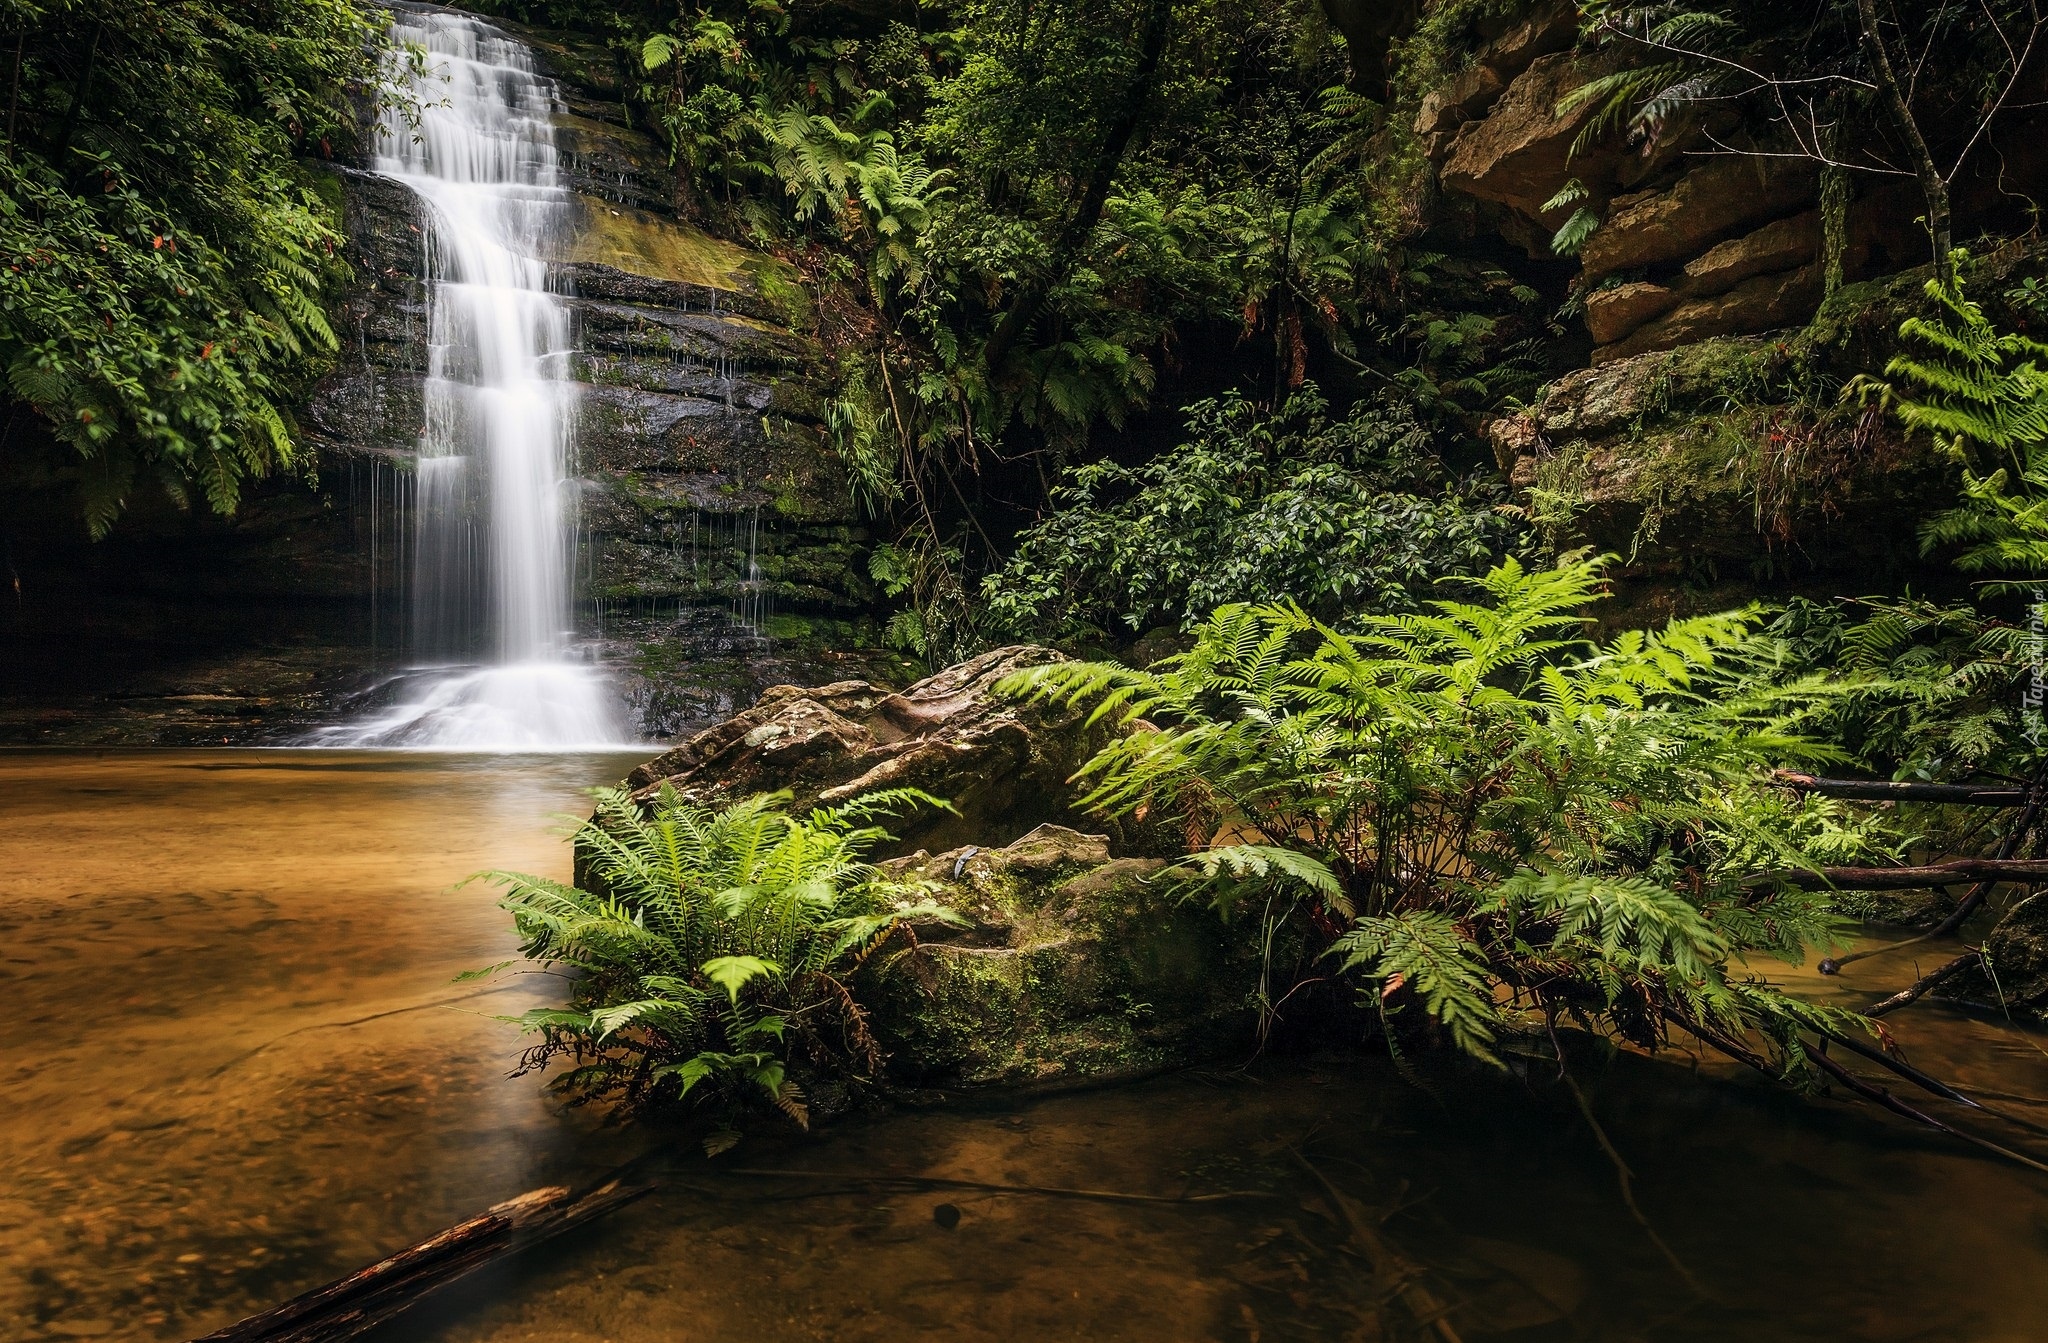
(2019, 64)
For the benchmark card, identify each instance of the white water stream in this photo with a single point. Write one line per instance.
(495, 513)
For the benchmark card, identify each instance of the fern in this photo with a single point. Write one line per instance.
(1506, 820)
(712, 942)
(1983, 394)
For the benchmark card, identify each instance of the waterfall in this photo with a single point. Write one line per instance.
(493, 508)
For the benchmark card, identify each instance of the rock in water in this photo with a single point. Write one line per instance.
(1003, 765)
(2015, 975)
(1075, 964)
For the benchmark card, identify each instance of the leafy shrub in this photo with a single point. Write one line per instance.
(714, 949)
(1341, 516)
(1493, 818)
(168, 260)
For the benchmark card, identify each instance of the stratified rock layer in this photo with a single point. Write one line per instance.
(716, 517)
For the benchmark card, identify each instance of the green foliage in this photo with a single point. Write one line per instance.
(1983, 394)
(1509, 823)
(711, 958)
(1342, 515)
(1927, 691)
(168, 258)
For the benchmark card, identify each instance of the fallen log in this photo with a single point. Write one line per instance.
(1879, 790)
(355, 1304)
(1954, 872)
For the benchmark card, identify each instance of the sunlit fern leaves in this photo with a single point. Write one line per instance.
(1504, 820)
(712, 943)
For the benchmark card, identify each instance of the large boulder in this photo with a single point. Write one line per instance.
(1074, 962)
(1074, 965)
(1003, 765)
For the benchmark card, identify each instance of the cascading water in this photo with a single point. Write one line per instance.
(495, 521)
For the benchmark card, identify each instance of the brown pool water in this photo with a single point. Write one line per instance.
(237, 1067)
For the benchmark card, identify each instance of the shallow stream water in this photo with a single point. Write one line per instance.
(237, 1067)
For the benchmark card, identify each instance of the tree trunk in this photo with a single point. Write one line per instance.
(1933, 187)
(1075, 236)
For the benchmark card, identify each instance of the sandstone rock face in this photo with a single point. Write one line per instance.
(1761, 303)
(1003, 765)
(1784, 245)
(1473, 91)
(1519, 155)
(1075, 965)
(1721, 195)
(1613, 312)
(1551, 27)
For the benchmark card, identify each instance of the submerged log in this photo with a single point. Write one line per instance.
(1881, 790)
(353, 1305)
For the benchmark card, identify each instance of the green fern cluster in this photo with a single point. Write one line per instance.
(714, 950)
(1504, 822)
(1983, 394)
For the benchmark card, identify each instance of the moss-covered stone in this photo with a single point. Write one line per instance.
(1074, 965)
(1732, 467)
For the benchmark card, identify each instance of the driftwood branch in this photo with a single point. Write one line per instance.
(1915, 991)
(2022, 826)
(352, 1306)
(1877, 790)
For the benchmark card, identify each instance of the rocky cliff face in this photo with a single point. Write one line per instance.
(1694, 444)
(721, 551)
(1691, 243)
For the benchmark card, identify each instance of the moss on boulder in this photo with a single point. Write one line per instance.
(1075, 965)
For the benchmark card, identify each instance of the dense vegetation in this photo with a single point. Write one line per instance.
(1341, 516)
(1502, 818)
(168, 262)
(714, 945)
(1469, 810)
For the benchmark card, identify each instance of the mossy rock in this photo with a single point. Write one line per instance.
(1074, 966)
(2014, 976)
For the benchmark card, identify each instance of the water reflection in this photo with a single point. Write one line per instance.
(237, 1063)
(239, 1069)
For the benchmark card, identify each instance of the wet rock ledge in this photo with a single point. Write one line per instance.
(719, 533)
